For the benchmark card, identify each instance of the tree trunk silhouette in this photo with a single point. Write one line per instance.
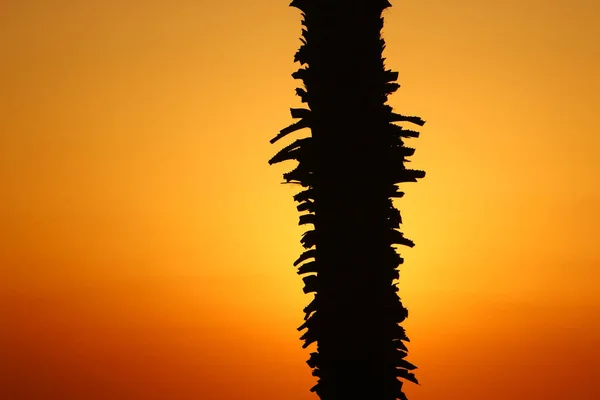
(350, 166)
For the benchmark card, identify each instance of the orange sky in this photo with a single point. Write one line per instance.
(146, 245)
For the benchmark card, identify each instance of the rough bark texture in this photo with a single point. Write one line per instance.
(350, 166)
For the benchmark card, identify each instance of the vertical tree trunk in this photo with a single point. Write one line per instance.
(350, 166)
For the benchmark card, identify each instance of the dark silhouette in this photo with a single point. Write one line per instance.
(350, 166)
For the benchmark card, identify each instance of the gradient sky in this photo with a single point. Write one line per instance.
(146, 246)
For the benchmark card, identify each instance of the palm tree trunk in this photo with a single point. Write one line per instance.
(350, 166)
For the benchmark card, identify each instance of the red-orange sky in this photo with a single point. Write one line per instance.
(146, 246)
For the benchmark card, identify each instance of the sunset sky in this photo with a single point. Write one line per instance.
(146, 246)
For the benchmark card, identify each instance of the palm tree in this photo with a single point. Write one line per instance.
(350, 166)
